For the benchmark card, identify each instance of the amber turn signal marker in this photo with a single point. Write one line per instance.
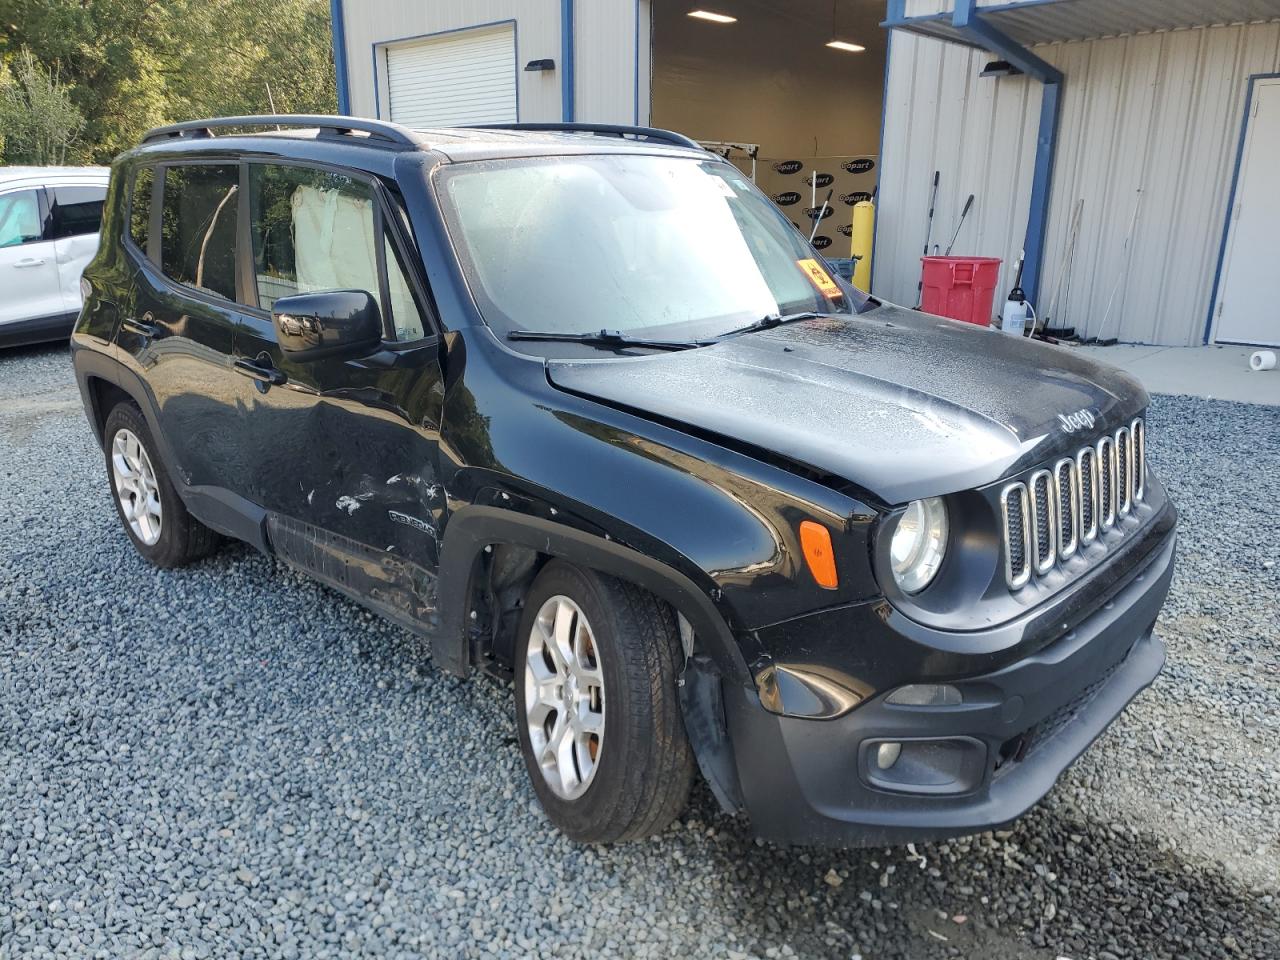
(815, 541)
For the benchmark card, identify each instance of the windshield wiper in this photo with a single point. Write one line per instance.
(605, 338)
(771, 320)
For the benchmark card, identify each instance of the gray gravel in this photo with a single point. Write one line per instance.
(232, 760)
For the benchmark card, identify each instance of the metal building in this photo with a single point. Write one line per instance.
(1124, 144)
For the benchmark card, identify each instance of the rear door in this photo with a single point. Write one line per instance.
(177, 332)
(343, 449)
(75, 216)
(28, 261)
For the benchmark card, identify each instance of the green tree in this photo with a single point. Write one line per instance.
(133, 64)
(38, 122)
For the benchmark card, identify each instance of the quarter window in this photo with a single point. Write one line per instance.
(19, 218)
(198, 227)
(140, 207)
(77, 211)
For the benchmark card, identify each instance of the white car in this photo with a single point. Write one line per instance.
(49, 219)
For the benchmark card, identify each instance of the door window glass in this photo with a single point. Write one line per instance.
(76, 211)
(19, 218)
(312, 230)
(198, 227)
(405, 318)
(140, 208)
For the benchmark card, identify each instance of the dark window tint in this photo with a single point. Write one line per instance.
(312, 230)
(19, 218)
(76, 211)
(198, 227)
(140, 207)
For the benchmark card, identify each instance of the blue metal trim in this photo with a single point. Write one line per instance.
(567, 97)
(338, 31)
(383, 44)
(884, 105)
(966, 19)
(1231, 197)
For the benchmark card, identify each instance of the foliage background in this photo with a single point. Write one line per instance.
(127, 65)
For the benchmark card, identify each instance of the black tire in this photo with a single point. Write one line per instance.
(183, 539)
(645, 766)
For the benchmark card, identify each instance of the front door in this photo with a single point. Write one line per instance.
(344, 448)
(28, 262)
(1250, 287)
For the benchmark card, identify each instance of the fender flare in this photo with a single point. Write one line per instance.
(472, 528)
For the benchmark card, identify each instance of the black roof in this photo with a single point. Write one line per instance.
(264, 134)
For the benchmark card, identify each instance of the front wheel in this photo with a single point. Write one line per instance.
(599, 719)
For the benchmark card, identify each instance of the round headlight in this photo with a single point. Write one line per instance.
(919, 544)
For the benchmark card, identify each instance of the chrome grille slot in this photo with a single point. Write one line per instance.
(1043, 521)
(1017, 534)
(1138, 432)
(1058, 512)
(1106, 483)
(1124, 472)
(1087, 473)
(1066, 491)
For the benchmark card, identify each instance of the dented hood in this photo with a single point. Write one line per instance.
(900, 403)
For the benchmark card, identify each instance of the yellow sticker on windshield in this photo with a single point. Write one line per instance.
(821, 279)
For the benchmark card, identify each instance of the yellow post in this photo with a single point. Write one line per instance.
(864, 229)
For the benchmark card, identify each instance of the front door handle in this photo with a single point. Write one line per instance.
(141, 327)
(29, 262)
(263, 373)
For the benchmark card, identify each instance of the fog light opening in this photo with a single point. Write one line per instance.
(887, 755)
(926, 695)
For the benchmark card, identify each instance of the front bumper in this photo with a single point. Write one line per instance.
(1018, 728)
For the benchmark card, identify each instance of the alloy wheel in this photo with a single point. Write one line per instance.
(136, 486)
(564, 697)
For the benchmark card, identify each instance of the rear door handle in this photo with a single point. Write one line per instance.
(140, 327)
(29, 262)
(262, 373)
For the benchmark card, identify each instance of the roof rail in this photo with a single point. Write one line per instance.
(602, 129)
(391, 133)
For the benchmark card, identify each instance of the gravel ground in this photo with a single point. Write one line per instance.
(232, 760)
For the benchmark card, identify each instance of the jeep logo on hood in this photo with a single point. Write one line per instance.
(823, 180)
(858, 196)
(821, 243)
(860, 165)
(786, 199)
(1080, 420)
(818, 213)
(788, 167)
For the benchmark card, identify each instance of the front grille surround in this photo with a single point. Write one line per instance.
(1058, 512)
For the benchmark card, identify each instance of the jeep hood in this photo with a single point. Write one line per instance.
(899, 403)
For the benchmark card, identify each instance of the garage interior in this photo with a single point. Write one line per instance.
(769, 79)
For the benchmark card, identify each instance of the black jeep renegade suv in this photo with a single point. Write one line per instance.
(582, 407)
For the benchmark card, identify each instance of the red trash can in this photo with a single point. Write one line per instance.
(962, 288)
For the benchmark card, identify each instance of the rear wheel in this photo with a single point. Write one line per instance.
(599, 720)
(150, 510)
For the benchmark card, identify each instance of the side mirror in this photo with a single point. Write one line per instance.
(312, 325)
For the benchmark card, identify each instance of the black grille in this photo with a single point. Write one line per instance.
(1015, 534)
(1044, 532)
(1066, 513)
(1139, 434)
(1106, 470)
(1087, 461)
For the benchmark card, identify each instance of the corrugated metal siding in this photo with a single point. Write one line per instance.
(1159, 111)
(979, 134)
(605, 38)
(604, 32)
(1068, 20)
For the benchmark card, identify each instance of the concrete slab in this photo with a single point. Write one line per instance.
(1212, 372)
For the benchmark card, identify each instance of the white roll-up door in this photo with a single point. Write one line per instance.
(467, 77)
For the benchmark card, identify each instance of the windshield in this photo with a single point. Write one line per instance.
(645, 245)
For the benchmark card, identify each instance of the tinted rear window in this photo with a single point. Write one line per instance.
(140, 207)
(76, 211)
(198, 227)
